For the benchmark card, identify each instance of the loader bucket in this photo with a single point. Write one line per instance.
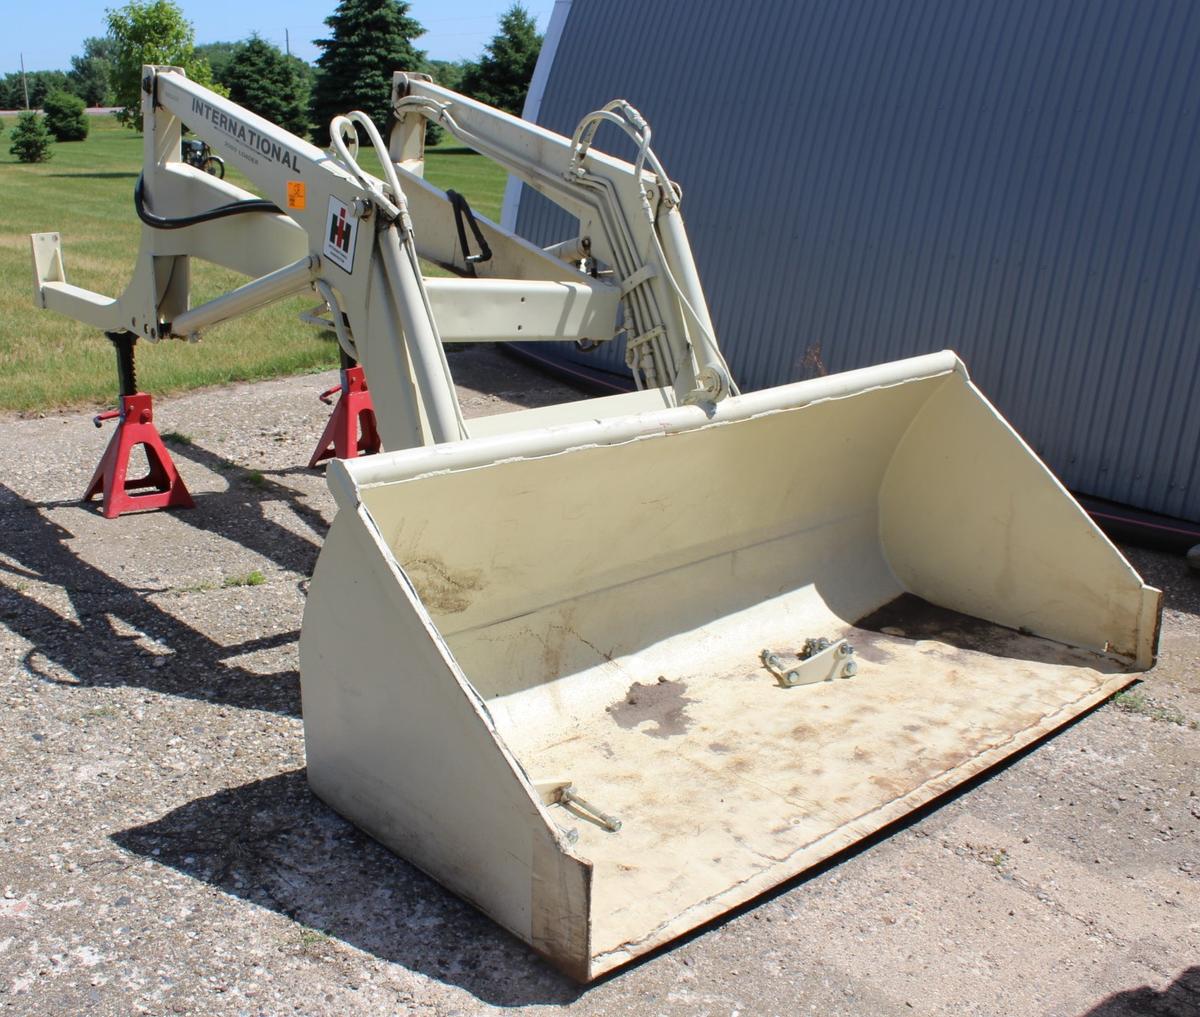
(533, 663)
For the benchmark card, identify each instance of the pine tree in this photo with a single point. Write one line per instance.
(65, 117)
(263, 80)
(219, 56)
(370, 39)
(30, 139)
(501, 77)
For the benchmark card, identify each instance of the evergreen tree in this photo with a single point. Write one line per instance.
(65, 117)
(448, 73)
(90, 72)
(219, 56)
(306, 74)
(501, 77)
(30, 139)
(370, 39)
(39, 83)
(153, 32)
(263, 80)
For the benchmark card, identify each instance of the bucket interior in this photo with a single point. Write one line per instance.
(610, 606)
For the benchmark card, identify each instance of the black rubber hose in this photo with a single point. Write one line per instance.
(159, 222)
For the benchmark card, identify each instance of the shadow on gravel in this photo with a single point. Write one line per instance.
(1179, 999)
(91, 650)
(237, 513)
(274, 843)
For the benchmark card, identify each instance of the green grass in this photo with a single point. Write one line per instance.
(254, 578)
(85, 192)
(1139, 703)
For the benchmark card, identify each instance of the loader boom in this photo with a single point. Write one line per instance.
(326, 224)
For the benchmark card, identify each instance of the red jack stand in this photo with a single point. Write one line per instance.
(352, 414)
(136, 427)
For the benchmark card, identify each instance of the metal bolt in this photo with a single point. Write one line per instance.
(568, 796)
(849, 669)
(845, 650)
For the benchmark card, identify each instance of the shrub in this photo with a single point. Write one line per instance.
(30, 139)
(65, 117)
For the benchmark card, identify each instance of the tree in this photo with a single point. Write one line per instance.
(43, 83)
(370, 39)
(263, 80)
(220, 58)
(30, 139)
(448, 73)
(65, 117)
(40, 84)
(90, 72)
(151, 32)
(501, 77)
(306, 75)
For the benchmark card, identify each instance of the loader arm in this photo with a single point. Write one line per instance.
(325, 224)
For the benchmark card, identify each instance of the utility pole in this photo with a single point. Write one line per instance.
(24, 83)
(287, 42)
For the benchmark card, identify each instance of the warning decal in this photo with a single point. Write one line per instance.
(342, 231)
(295, 195)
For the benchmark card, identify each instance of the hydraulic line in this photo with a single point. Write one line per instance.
(160, 222)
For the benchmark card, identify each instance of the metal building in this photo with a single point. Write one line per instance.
(865, 180)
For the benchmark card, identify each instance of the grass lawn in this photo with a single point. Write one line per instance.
(85, 192)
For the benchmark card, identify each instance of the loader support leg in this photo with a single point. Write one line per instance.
(162, 486)
(351, 430)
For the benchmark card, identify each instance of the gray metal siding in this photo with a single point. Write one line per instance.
(866, 179)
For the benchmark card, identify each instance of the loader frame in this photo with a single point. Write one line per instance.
(325, 224)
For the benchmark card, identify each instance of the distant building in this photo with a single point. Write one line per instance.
(865, 180)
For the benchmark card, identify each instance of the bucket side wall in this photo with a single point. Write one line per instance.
(972, 520)
(399, 744)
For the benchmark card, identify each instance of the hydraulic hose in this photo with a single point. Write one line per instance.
(160, 222)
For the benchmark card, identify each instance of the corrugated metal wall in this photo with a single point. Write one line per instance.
(867, 179)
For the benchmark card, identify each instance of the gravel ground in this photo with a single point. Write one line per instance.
(163, 855)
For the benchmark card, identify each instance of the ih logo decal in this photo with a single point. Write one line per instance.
(341, 233)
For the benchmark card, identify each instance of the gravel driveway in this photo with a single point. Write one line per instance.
(163, 855)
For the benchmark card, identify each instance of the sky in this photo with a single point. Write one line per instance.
(453, 31)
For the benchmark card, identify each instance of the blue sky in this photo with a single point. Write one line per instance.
(453, 30)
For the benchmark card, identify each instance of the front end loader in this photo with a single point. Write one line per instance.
(610, 668)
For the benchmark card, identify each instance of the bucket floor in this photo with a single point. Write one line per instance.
(727, 783)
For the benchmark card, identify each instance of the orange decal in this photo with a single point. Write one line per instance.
(295, 194)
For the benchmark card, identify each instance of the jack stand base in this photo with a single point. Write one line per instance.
(136, 427)
(351, 430)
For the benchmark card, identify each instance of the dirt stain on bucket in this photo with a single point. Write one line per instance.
(441, 589)
(662, 703)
